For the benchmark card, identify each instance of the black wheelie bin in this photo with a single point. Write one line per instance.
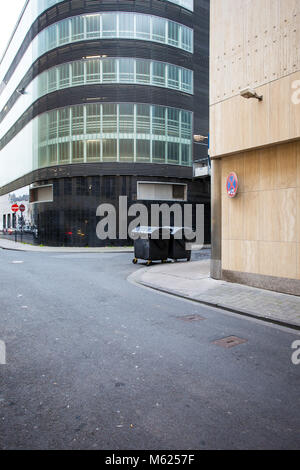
(178, 249)
(151, 245)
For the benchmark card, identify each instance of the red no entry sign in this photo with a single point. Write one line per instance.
(22, 208)
(232, 185)
(15, 208)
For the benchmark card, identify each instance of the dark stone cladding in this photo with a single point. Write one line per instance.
(103, 168)
(71, 8)
(99, 93)
(111, 48)
(70, 220)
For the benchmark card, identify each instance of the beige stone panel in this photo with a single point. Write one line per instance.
(251, 257)
(236, 255)
(298, 216)
(252, 171)
(278, 215)
(225, 216)
(268, 168)
(297, 144)
(280, 104)
(295, 102)
(285, 260)
(286, 171)
(252, 216)
(266, 258)
(236, 227)
(269, 220)
(225, 255)
(285, 212)
(260, 117)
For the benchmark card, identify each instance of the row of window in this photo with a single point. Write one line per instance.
(114, 132)
(115, 70)
(115, 25)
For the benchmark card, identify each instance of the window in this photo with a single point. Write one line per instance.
(52, 124)
(109, 150)
(173, 77)
(173, 152)
(173, 33)
(77, 151)
(173, 122)
(186, 154)
(77, 28)
(109, 25)
(126, 25)
(52, 81)
(51, 37)
(187, 80)
(77, 73)
(110, 121)
(142, 27)
(143, 151)
(63, 32)
(187, 39)
(158, 29)
(93, 150)
(93, 71)
(126, 122)
(93, 26)
(93, 119)
(126, 70)
(143, 119)
(109, 71)
(126, 150)
(52, 154)
(158, 120)
(77, 120)
(64, 76)
(63, 122)
(64, 152)
(143, 71)
(158, 152)
(159, 74)
(152, 191)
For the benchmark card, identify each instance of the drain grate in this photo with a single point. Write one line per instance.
(191, 318)
(230, 342)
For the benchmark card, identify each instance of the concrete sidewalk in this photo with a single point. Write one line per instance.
(192, 281)
(16, 246)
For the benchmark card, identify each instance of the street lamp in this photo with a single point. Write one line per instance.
(248, 93)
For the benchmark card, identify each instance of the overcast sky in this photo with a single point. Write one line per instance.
(8, 18)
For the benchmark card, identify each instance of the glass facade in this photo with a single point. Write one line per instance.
(111, 132)
(115, 25)
(114, 70)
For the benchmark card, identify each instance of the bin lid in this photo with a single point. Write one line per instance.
(149, 230)
(174, 230)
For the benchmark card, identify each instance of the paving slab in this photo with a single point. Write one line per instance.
(192, 281)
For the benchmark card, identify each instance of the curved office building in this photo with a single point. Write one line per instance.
(101, 99)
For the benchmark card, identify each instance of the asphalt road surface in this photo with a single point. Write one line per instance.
(96, 362)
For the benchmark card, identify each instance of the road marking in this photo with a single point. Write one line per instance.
(17, 262)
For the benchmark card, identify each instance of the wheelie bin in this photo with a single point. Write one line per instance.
(178, 246)
(151, 245)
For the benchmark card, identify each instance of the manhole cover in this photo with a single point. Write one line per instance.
(230, 342)
(191, 318)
